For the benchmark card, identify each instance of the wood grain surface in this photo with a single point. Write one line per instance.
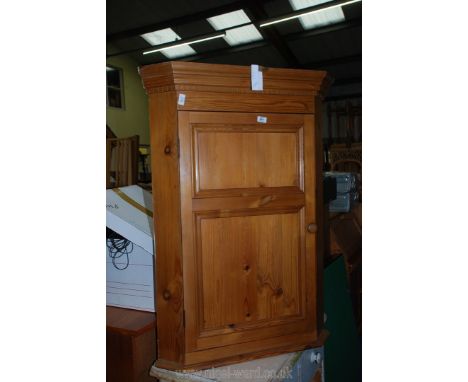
(237, 196)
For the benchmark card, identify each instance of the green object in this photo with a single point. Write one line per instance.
(343, 356)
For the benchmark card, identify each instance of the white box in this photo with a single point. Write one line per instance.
(289, 367)
(129, 212)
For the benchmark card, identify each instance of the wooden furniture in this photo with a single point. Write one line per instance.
(130, 345)
(347, 158)
(352, 115)
(346, 239)
(121, 161)
(238, 203)
(343, 146)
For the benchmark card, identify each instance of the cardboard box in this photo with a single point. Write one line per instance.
(130, 280)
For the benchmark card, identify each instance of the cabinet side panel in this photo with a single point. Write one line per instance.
(311, 236)
(319, 212)
(166, 202)
(190, 274)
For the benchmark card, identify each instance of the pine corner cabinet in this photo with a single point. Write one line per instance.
(237, 195)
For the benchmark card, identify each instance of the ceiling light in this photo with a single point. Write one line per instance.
(241, 35)
(185, 43)
(317, 8)
(235, 36)
(318, 19)
(166, 36)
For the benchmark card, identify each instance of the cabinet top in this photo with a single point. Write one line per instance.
(180, 75)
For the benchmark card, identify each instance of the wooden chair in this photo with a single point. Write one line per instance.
(122, 161)
(346, 158)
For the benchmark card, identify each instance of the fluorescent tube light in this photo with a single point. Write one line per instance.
(295, 16)
(164, 37)
(188, 42)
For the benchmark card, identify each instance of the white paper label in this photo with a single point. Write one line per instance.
(181, 100)
(261, 119)
(256, 77)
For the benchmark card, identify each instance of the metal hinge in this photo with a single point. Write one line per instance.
(178, 147)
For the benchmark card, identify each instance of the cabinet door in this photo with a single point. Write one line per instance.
(248, 227)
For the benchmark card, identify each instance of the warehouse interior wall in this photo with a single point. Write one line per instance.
(133, 118)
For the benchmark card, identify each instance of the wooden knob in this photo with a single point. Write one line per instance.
(166, 295)
(312, 228)
(167, 150)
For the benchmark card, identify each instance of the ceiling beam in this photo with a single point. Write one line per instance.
(333, 61)
(224, 51)
(257, 12)
(179, 20)
(353, 23)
